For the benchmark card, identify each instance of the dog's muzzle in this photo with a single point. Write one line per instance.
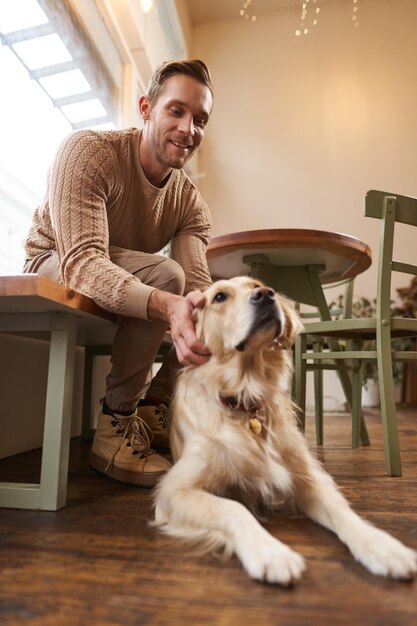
(265, 313)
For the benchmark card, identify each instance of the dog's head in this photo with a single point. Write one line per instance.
(242, 314)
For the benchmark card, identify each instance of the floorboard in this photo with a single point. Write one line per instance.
(98, 562)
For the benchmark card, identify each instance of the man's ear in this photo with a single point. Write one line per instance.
(144, 107)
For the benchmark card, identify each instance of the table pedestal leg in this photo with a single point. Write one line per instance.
(302, 284)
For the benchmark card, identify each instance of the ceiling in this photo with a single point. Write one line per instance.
(201, 11)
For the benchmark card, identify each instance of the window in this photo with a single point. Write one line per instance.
(53, 81)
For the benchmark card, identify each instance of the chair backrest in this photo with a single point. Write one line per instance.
(389, 208)
(405, 206)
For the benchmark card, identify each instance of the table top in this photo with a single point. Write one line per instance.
(341, 255)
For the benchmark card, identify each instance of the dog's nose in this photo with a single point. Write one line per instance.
(262, 295)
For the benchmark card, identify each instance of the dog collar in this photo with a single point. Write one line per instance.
(255, 424)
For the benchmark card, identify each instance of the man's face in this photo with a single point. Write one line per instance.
(176, 123)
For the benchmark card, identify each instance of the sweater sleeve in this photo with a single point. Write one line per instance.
(189, 245)
(83, 178)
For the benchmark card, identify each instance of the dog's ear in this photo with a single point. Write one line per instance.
(292, 326)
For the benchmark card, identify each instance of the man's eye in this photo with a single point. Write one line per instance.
(176, 112)
(220, 297)
(201, 123)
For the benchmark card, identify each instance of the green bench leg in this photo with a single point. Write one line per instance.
(57, 429)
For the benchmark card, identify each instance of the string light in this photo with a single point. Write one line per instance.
(309, 17)
(355, 13)
(310, 11)
(246, 13)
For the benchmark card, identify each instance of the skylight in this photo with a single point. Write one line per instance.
(65, 84)
(20, 14)
(51, 45)
(86, 110)
(40, 51)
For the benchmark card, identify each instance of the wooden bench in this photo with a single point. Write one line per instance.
(34, 306)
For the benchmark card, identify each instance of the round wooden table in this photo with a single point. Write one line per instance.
(339, 256)
(294, 261)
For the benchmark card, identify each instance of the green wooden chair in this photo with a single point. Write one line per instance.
(389, 208)
(319, 344)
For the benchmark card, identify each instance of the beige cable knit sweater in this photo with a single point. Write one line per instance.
(98, 196)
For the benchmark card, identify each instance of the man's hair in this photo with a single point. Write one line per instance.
(194, 68)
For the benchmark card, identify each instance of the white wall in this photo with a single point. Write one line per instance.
(303, 127)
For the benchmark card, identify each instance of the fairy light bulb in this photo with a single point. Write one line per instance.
(246, 13)
(309, 16)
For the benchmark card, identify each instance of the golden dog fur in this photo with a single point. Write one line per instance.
(224, 465)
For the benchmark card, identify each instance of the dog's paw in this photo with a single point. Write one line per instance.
(273, 562)
(384, 555)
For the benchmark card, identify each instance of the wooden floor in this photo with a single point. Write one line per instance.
(97, 562)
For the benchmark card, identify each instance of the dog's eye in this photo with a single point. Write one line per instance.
(220, 297)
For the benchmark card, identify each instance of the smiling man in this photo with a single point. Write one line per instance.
(178, 125)
(114, 199)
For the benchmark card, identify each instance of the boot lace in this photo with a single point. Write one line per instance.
(138, 434)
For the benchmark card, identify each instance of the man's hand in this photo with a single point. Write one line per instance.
(189, 349)
(178, 312)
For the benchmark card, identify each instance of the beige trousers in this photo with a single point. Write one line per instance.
(137, 341)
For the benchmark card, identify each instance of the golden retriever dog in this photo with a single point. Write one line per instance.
(236, 446)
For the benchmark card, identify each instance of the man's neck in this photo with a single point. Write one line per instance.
(155, 172)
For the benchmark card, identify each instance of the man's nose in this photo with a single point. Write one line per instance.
(186, 125)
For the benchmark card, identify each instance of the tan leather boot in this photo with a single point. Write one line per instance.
(156, 417)
(121, 450)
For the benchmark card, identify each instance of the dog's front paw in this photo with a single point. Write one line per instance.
(273, 562)
(384, 555)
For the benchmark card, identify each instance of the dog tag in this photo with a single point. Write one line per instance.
(255, 425)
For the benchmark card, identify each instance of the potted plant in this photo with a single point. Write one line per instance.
(408, 297)
(408, 308)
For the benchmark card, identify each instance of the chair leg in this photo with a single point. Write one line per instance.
(318, 398)
(388, 411)
(346, 383)
(357, 416)
(300, 379)
(363, 432)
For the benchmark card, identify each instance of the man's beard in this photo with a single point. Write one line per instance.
(176, 162)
